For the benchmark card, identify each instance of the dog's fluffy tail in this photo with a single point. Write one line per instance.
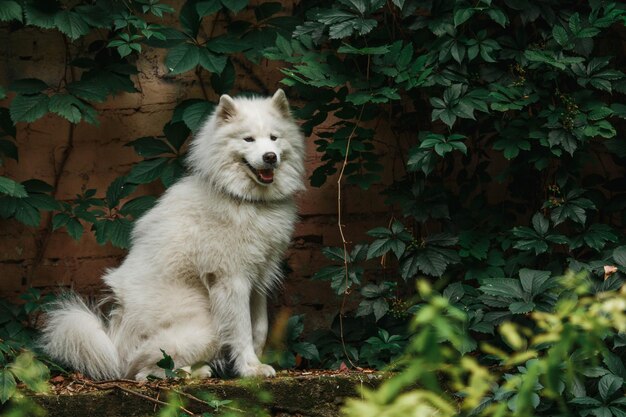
(76, 336)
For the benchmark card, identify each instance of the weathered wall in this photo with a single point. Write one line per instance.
(44, 259)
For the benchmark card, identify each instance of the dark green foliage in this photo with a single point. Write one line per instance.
(17, 340)
(502, 113)
(286, 356)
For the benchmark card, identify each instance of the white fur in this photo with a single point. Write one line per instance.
(202, 260)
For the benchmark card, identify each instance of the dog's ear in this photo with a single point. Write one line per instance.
(226, 109)
(279, 100)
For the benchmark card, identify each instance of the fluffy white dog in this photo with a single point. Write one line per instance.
(194, 283)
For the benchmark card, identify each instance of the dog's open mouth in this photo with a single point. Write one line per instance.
(265, 176)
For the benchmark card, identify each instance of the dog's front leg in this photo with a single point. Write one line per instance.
(230, 303)
(260, 325)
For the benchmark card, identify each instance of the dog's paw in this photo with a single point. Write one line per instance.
(260, 370)
(201, 372)
(144, 373)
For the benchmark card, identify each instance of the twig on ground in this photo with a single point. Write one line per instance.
(116, 385)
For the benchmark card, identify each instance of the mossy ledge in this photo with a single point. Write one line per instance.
(289, 394)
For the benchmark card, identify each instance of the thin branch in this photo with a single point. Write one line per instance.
(114, 385)
(343, 237)
(202, 87)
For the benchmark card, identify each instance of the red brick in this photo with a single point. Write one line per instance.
(11, 276)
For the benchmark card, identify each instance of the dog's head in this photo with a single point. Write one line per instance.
(251, 148)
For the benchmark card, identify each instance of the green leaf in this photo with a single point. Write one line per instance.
(372, 50)
(12, 188)
(560, 35)
(119, 232)
(211, 62)
(195, 114)
(568, 211)
(189, 19)
(43, 202)
(329, 273)
(421, 160)
(147, 171)
(137, 206)
(502, 287)
(89, 90)
(498, 16)
(540, 224)
(71, 24)
(74, 228)
(614, 363)
(378, 248)
(597, 236)
(41, 13)
(27, 214)
(441, 239)
(431, 261)
(534, 282)
(59, 220)
(462, 15)
(306, 350)
(176, 134)
(28, 108)
(66, 106)
(235, 6)
(166, 363)
(226, 44)
(585, 401)
(380, 232)
(222, 83)
(182, 58)
(380, 307)
(173, 171)
(334, 253)
(208, 7)
(521, 307)
(7, 381)
(619, 255)
(10, 10)
(117, 190)
(148, 147)
(28, 86)
(608, 385)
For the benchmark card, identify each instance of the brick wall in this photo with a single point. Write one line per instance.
(40, 258)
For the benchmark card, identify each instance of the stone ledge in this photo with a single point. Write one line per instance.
(314, 394)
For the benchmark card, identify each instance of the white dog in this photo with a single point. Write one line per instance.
(194, 283)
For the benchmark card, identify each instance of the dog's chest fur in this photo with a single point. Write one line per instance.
(218, 236)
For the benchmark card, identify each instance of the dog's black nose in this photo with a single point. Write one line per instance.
(269, 157)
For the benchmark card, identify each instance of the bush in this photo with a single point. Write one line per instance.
(558, 364)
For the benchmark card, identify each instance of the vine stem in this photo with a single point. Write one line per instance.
(42, 246)
(343, 237)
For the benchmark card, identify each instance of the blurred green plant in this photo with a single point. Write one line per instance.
(560, 363)
(20, 369)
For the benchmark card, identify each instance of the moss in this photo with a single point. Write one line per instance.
(286, 395)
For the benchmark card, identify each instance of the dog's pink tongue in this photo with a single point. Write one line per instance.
(266, 174)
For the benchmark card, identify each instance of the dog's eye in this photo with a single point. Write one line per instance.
(249, 139)
(273, 137)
